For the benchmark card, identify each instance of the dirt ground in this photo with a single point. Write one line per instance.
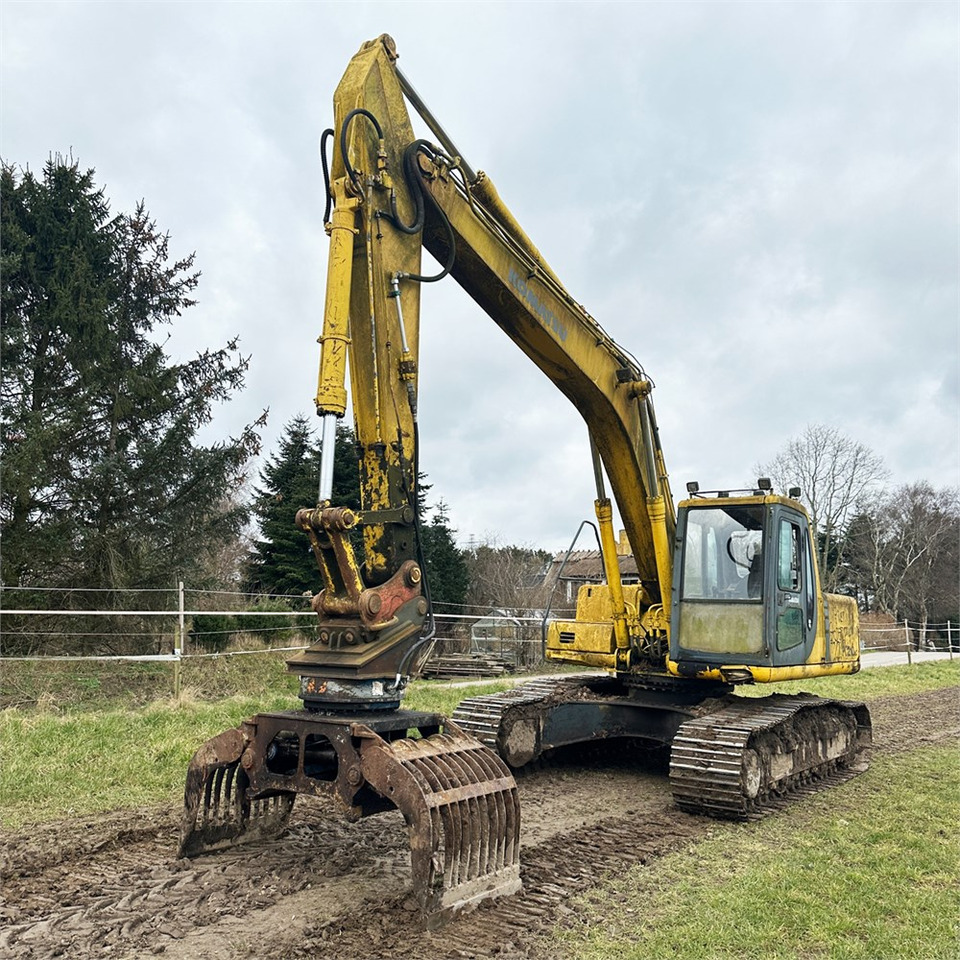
(110, 886)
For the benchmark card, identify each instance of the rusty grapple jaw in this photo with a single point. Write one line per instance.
(218, 811)
(458, 797)
(460, 802)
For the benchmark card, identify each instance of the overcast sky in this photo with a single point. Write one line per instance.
(758, 200)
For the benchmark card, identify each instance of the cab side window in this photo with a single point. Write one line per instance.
(790, 617)
(788, 561)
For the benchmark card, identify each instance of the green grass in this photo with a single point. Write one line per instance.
(867, 870)
(60, 761)
(98, 685)
(430, 695)
(55, 766)
(60, 764)
(901, 680)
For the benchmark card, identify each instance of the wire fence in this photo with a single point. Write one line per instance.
(175, 626)
(217, 624)
(910, 637)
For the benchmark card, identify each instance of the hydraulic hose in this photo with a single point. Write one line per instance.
(415, 186)
(413, 176)
(418, 530)
(324, 137)
(359, 112)
(412, 170)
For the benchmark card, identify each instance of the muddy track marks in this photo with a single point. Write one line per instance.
(111, 895)
(110, 886)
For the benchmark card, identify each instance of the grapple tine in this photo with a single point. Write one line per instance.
(443, 827)
(469, 817)
(216, 804)
(460, 803)
(452, 814)
(497, 839)
(217, 812)
(455, 835)
(472, 812)
(488, 821)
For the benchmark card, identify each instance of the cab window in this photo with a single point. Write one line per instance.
(788, 559)
(722, 553)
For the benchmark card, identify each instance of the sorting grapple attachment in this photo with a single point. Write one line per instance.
(458, 797)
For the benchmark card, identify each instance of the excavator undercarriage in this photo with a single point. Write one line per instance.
(730, 756)
(458, 798)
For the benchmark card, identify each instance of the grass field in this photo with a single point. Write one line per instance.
(867, 870)
(58, 763)
(62, 761)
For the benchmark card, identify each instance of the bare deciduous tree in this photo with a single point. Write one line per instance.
(506, 578)
(904, 549)
(837, 476)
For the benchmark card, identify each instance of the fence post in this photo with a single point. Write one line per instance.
(949, 639)
(181, 642)
(906, 634)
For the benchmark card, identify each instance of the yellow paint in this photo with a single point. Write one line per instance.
(617, 626)
(335, 339)
(804, 671)
(611, 566)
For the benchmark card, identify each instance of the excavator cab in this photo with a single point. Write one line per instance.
(746, 604)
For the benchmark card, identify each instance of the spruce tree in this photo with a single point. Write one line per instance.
(103, 481)
(283, 562)
(447, 573)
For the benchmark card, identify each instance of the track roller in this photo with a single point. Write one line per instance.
(737, 760)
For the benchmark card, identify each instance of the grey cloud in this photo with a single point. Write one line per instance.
(759, 200)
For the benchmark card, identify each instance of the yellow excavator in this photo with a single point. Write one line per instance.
(728, 589)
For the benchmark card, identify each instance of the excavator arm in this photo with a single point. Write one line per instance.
(351, 743)
(372, 606)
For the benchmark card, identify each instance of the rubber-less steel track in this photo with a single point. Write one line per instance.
(483, 716)
(735, 761)
(731, 756)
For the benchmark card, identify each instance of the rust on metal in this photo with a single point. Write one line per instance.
(458, 797)
(219, 808)
(460, 803)
(345, 592)
(734, 761)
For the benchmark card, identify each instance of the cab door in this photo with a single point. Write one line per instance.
(795, 596)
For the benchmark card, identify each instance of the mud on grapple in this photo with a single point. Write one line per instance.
(457, 796)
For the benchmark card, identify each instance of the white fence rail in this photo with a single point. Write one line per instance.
(519, 633)
(911, 637)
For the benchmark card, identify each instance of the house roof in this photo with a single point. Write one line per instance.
(588, 565)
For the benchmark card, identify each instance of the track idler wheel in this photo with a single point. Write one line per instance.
(218, 812)
(460, 803)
